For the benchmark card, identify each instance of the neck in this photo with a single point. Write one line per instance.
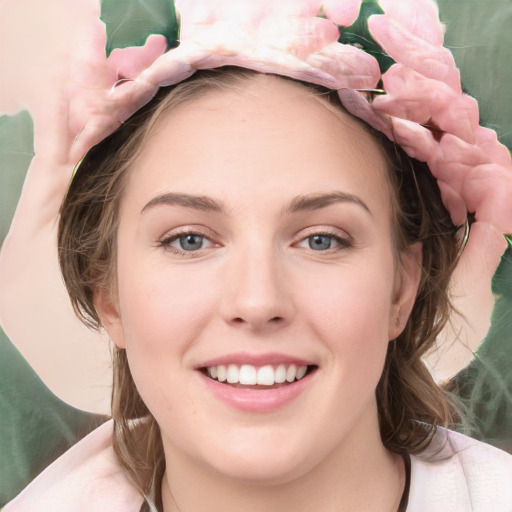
(359, 474)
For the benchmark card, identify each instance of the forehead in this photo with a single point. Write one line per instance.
(270, 137)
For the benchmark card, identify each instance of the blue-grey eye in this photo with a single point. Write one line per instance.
(191, 242)
(320, 242)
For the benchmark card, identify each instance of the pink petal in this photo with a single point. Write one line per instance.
(460, 118)
(487, 140)
(129, 62)
(488, 191)
(305, 35)
(419, 17)
(173, 66)
(464, 171)
(454, 203)
(450, 162)
(108, 112)
(429, 102)
(197, 15)
(406, 91)
(358, 105)
(350, 66)
(454, 159)
(414, 52)
(415, 140)
(454, 149)
(194, 13)
(342, 13)
(305, 48)
(291, 7)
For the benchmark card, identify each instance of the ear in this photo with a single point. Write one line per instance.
(407, 281)
(108, 311)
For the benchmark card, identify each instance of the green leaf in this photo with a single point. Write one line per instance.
(131, 22)
(502, 280)
(359, 35)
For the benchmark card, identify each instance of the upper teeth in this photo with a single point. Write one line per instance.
(251, 375)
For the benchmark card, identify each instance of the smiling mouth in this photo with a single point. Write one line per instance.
(266, 377)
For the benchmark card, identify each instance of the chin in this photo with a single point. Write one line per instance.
(267, 461)
(264, 470)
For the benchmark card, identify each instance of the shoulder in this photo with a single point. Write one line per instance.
(457, 473)
(87, 477)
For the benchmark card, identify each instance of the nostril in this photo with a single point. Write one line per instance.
(273, 320)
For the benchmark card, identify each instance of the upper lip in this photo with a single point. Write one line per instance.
(240, 358)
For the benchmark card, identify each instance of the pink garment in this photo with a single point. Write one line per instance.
(455, 474)
(86, 478)
(469, 476)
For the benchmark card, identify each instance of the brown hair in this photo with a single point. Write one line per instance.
(410, 404)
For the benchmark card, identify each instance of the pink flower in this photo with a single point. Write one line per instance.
(417, 141)
(342, 13)
(413, 96)
(244, 27)
(358, 105)
(130, 62)
(286, 38)
(419, 17)
(96, 106)
(487, 140)
(430, 60)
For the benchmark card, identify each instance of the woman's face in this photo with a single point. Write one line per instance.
(254, 244)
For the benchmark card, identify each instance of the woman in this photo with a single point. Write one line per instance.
(272, 271)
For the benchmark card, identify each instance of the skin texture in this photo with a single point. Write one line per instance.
(256, 287)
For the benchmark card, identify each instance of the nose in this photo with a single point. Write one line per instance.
(258, 295)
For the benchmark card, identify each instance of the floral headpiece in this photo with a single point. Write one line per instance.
(384, 57)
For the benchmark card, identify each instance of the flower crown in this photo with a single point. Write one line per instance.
(385, 58)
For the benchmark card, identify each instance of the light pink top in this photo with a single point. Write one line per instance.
(455, 474)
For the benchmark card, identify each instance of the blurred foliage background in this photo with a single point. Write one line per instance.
(479, 35)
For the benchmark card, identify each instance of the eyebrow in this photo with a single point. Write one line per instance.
(318, 201)
(300, 203)
(203, 203)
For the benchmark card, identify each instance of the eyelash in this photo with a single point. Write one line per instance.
(344, 243)
(168, 240)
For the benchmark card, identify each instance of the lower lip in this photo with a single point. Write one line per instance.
(261, 400)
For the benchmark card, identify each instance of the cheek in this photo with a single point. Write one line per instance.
(350, 313)
(159, 302)
(163, 314)
(161, 322)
